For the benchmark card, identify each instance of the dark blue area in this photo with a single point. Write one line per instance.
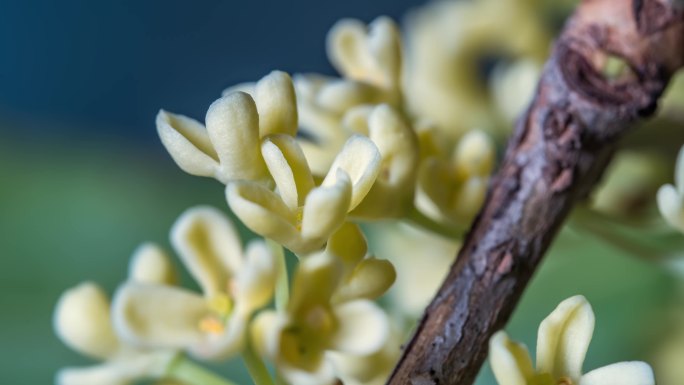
(105, 67)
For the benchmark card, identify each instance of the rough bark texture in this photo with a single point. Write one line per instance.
(559, 150)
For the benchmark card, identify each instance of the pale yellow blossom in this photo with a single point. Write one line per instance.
(301, 216)
(453, 190)
(82, 320)
(228, 147)
(392, 193)
(323, 105)
(449, 43)
(369, 54)
(562, 343)
(151, 264)
(670, 198)
(234, 284)
(299, 339)
(362, 276)
(373, 369)
(369, 59)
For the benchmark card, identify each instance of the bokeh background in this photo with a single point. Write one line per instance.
(84, 178)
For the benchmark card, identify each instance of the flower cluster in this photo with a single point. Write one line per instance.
(562, 344)
(83, 320)
(409, 132)
(152, 321)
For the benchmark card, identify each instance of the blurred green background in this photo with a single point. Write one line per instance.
(83, 179)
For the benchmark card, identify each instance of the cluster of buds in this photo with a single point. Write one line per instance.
(408, 133)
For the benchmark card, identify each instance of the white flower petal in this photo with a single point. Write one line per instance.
(340, 95)
(314, 283)
(349, 245)
(371, 279)
(372, 369)
(679, 172)
(385, 45)
(392, 193)
(233, 126)
(563, 339)
(82, 321)
(289, 169)
(277, 105)
(209, 246)
(323, 374)
(396, 142)
(150, 264)
(320, 152)
(361, 160)
(371, 55)
(154, 316)
(256, 279)
(263, 211)
(474, 154)
(622, 373)
(326, 208)
(347, 48)
(223, 345)
(510, 361)
(470, 197)
(188, 143)
(355, 120)
(670, 206)
(265, 332)
(362, 328)
(435, 188)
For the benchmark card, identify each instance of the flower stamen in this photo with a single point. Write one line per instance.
(211, 325)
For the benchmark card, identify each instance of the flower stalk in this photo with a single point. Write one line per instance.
(256, 367)
(187, 371)
(282, 286)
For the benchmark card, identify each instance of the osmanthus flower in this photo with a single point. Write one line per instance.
(373, 369)
(82, 320)
(323, 104)
(363, 276)
(301, 216)
(670, 198)
(234, 284)
(562, 343)
(451, 191)
(368, 54)
(369, 59)
(392, 193)
(450, 47)
(228, 147)
(300, 339)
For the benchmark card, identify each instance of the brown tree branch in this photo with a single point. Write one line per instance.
(558, 152)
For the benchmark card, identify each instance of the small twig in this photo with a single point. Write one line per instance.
(559, 150)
